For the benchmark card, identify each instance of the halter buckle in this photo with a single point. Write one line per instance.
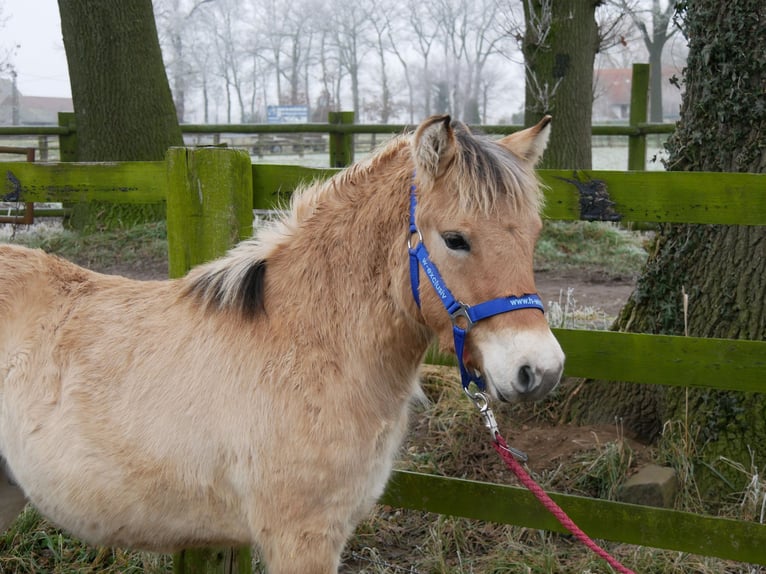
(460, 317)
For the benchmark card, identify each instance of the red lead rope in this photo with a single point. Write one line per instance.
(505, 452)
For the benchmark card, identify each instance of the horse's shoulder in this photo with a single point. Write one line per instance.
(25, 269)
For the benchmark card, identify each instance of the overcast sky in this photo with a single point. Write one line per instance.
(40, 60)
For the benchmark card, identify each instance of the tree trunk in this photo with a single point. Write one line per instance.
(122, 100)
(721, 268)
(655, 83)
(560, 44)
(655, 44)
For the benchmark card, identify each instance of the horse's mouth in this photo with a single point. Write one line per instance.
(501, 397)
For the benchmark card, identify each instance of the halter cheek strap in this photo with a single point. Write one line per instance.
(463, 316)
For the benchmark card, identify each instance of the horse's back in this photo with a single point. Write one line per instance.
(27, 274)
(31, 283)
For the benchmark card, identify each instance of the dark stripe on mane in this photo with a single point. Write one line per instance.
(251, 290)
(480, 155)
(245, 294)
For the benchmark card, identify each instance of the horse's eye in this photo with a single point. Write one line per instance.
(455, 241)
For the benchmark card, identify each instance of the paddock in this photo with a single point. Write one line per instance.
(199, 230)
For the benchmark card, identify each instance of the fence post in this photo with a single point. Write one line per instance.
(209, 204)
(341, 144)
(209, 209)
(68, 142)
(639, 100)
(42, 145)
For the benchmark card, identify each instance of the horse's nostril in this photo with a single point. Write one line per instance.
(526, 379)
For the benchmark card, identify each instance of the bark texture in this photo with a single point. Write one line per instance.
(721, 268)
(123, 105)
(560, 44)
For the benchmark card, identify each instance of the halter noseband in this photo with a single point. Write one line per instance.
(463, 316)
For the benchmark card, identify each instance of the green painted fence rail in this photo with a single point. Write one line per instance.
(724, 364)
(637, 196)
(674, 197)
(125, 182)
(189, 176)
(603, 519)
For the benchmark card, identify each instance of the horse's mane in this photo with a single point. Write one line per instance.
(236, 280)
(484, 173)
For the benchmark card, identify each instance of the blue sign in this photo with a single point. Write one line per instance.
(287, 114)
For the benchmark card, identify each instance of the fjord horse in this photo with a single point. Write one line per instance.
(261, 399)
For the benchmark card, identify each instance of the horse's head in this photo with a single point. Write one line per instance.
(478, 213)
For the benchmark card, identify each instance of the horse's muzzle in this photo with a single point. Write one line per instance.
(519, 366)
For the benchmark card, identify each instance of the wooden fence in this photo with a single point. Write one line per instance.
(341, 129)
(200, 229)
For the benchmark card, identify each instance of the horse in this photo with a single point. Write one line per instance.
(261, 399)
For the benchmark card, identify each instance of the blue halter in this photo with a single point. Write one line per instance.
(463, 316)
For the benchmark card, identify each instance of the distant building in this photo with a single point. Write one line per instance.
(611, 90)
(6, 102)
(32, 110)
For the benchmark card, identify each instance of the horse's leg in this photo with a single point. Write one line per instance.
(12, 500)
(301, 554)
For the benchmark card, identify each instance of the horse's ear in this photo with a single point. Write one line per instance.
(529, 143)
(434, 146)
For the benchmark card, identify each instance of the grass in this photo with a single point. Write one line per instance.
(566, 313)
(32, 545)
(597, 245)
(131, 246)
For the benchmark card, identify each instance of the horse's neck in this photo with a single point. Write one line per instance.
(348, 260)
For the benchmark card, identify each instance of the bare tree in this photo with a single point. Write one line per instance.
(296, 37)
(331, 74)
(299, 46)
(272, 25)
(175, 26)
(201, 64)
(6, 53)
(560, 43)
(396, 47)
(350, 24)
(381, 24)
(470, 35)
(426, 31)
(226, 26)
(449, 54)
(654, 37)
(487, 39)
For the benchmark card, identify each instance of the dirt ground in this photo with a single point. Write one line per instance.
(590, 288)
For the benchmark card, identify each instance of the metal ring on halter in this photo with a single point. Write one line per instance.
(409, 239)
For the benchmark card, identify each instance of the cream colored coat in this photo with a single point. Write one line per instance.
(261, 399)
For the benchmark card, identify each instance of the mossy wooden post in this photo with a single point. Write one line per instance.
(68, 142)
(639, 100)
(341, 144)
(209, 209)
(210, 204)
